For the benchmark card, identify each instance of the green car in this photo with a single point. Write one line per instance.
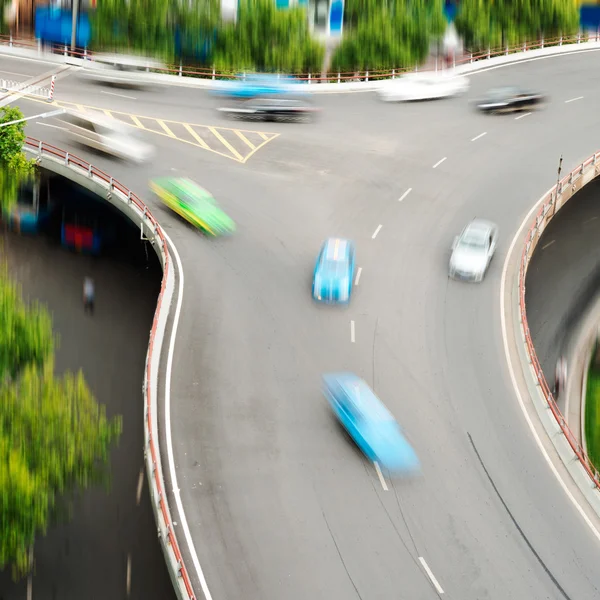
(194, 204)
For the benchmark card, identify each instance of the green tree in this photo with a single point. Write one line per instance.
(387, 35)
(265, 38)
(485, 24)
(14, 166)
(25, 331)
(54, 440)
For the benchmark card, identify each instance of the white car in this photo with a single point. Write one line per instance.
(473, 250)
(106, 135)
(423, 86)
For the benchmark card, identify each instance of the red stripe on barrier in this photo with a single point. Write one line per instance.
(525, 256)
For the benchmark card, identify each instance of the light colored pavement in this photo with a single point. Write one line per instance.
(279, 504)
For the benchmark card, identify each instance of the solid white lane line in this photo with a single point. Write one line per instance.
(376, 232)
(140, 485)
(573, 99)
(406, 193)
(431, 576)
(513, 377)
(120, 95)
(49, 125)
(352, 332)
(548, 244)
(380, 475)
(358, 276)
(128, 582)
(169, 434)
(478, 136)
(590, 220)
(439, 162)
(522, 116)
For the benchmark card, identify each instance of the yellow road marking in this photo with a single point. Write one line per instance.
(226, 144)
(108, 114)
(245, 139)
(259, 147)
(263, 136)
(196, 137)
(80, 107)
(137, 122)
(162, 124)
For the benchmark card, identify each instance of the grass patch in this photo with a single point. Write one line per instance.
(592, 415)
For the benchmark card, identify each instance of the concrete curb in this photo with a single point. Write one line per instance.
(477, 66)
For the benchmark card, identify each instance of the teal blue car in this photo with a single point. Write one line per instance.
(370, 424)
(334, 272)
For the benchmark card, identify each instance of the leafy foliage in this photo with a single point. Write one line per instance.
(389, 34)
(484, 24)
(267, 39)
(54, 439)
(14, 166)
(25, 332)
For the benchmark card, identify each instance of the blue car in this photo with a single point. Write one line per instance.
(255, 85)
(369, 423)
(334, 272)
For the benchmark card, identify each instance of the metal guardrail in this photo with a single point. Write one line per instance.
(368, 75)
(8, 85)
(554, 200)
(151, 450)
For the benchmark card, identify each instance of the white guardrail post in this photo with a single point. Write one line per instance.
(567, 445)
(98, 182)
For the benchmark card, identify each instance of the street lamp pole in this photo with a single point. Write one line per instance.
(45, 115)
(75, 11)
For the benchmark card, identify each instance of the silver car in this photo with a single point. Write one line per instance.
(473, 250)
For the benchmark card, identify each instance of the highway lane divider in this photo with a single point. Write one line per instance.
(232, 143)
(566, 443)
(102, 184)
(367, 80)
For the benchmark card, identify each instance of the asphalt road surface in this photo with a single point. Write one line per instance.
(89, 557)
(278, 502)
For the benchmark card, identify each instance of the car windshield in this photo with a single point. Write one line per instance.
(474, 239)
(366, 403)
(193, 196)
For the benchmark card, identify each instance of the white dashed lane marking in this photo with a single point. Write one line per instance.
(431, 576)
(376, 232)
(380, 475)
(406, 193)
(574, 99)
(478, 136)
(439, 162)
(358, 273)
(522, 116)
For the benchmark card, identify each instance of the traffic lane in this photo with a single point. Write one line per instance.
(562, 78)
(110, 349)
(21, 69)
(563, 275)
(469, 334)
(259, 354)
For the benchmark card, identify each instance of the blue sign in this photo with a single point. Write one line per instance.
(53, 25)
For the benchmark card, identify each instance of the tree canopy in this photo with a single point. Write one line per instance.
(14, 166)
(387, 35)
(484, 24)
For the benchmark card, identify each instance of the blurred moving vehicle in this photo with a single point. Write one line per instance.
(106, 135)
(256, 84)
(334, 272)
(273, 109)
(194, 204)
(473, 250)
(423, 86)
(121, 70)
(510, 99)
(369, 423)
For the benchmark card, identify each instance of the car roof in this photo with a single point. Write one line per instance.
(336, 248)
(362, 397)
